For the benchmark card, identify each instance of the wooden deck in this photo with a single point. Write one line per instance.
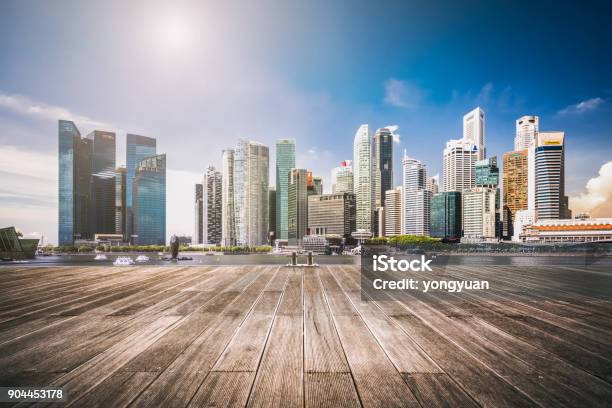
(271, 336)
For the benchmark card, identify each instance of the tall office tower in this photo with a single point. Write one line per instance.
(433, 184)
(120, 202)
(251, 182)
(317, 185)
(459, 165)
(515, 187)
(417, 199)
(331, 214)
(527, 128)
(212, 206)
(487, 175)
(393, 212)
(549, 183)
(342, 178)
(272, 214)
(228, 214)
(136, 148)
(102, 196)
(479, 214)
(474, 131)
(198, 204)
(382, 165)
(74, 170)
(297, 204)
(149, 201)
(362, 181)
(446, 215)
(285, 161)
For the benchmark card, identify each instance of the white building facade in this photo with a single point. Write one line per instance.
(362, 181)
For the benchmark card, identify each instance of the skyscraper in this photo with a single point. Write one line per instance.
(474, 131)
(120, 202)
(74, 159)
(433, 184)
(393, 212)
(297, 204)
(527, 128)
(417, 199)
(459, 165)
(251, 182)
(515, 187)
(102, 190)
(272, 213)
(382, 164)
(212, 206)
(228, 214)
(149, 201)
(487, 175)
(198, 235)
(446, 215)
(285, 161)
(549, 161)
(342, 178)
(363, 186)
(136, 148)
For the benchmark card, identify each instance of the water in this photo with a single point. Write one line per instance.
(269, 259)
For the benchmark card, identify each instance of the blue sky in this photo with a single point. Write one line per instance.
(199, 75)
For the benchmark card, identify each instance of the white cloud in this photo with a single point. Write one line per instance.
(597, 200)
(396, 136)
(26, 106)
(582, 107)
(402, 94)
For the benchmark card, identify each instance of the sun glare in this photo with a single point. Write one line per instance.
(175, 33)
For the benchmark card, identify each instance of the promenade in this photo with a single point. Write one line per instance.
(197, 336)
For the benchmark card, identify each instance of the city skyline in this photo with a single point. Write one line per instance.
(319, 108)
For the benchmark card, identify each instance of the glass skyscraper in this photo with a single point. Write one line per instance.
(297, 204)
(137, 148)
(383, 165)
(149, 201)
(285, 161)
(362, 168)
(446, 215)
(69, 136)
(103, 175)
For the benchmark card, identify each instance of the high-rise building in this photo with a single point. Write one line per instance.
(417, 199)
(382, 165)
(331, 214)
(272, 213)
(487, 175)
(120, 202)
(515, 187)
(474, 131)
(102, 190)
(315, 186)
(228, 214)
(198, 235)
(479, 214)
(527, 128)
(342, 178)
(459, 165)
(137, 147)
(549, 174)
(393, 212)
(446, 215)
(149, 201)
(251, 182)
(433, 185)
(212, 206)
(297, 204)
(363, 183)
(74, 159)
(285, 161)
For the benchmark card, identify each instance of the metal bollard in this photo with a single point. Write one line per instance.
(310, 258)
(293, 258)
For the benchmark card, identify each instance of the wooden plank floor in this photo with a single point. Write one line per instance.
(275, 336)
